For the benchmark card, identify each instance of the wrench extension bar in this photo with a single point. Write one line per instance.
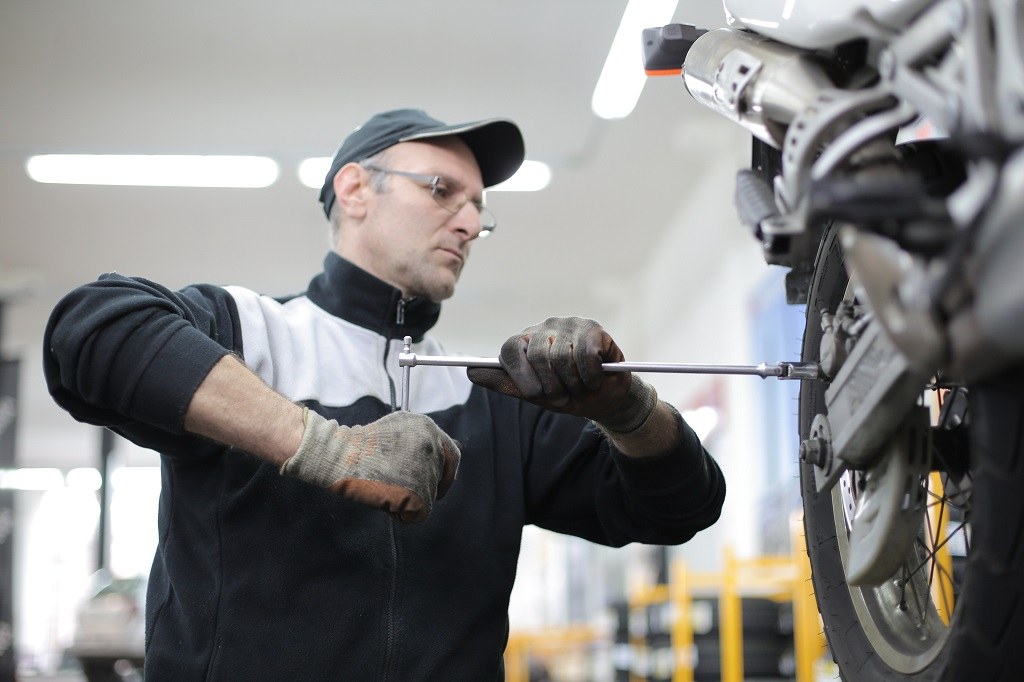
(782, 370)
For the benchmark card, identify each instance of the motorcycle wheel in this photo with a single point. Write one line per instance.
(902, 629)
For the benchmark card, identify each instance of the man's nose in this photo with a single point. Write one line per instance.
(467, 220)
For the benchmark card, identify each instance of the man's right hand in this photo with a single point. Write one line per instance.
(400, 463)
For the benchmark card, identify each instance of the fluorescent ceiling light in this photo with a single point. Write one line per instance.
(31, 479)
(151, 170)
(702, 420)
(313, 171)
(532, 176)
(622, 78)
(84, 478)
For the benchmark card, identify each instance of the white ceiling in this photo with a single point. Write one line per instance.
(288, 80)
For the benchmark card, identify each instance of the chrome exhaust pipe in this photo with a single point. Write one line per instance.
(760, 84)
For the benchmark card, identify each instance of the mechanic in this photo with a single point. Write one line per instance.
(309, 530)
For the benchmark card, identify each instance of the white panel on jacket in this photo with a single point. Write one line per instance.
(281, 341)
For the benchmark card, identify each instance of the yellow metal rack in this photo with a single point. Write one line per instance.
(780, 578)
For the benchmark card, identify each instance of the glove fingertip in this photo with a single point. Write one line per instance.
(494, 379)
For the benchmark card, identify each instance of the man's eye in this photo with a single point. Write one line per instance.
(441, 191)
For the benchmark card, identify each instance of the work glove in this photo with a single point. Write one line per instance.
(557, 364)
(400, 463)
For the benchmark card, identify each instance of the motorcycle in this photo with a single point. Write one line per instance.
(887, 175)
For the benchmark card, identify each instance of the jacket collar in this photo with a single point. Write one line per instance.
(347, 291)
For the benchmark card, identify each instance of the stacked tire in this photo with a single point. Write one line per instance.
(767, 640)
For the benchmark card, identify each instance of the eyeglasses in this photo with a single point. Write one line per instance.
(447, 198)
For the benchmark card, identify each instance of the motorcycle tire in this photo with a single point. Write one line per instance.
(987, 624)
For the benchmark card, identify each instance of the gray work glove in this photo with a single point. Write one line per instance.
(400, 463)
(557, 364)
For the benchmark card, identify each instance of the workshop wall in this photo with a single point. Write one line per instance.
(694, 303)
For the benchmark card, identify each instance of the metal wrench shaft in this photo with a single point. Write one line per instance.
(782, 370)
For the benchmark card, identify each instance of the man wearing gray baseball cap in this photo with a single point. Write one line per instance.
(497, 144)
(311, 530)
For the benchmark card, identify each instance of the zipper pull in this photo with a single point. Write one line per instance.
(400, 313)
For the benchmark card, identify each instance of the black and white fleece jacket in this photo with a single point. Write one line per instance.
(262, 577)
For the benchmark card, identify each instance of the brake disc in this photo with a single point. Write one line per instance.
(888, 501)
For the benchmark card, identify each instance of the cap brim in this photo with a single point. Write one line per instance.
(496, 143)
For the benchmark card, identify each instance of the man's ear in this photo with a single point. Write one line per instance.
(351, 187)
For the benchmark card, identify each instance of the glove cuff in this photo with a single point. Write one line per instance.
(312, 461)
(642, 399)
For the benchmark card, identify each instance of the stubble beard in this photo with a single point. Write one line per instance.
(435, 282)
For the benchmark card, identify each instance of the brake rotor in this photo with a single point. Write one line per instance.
(888, 503)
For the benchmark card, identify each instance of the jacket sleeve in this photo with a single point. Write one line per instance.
(126, 352)
(578, 483)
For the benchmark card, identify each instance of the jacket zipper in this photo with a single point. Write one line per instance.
(399, 321)
(389, 649)
(400, 313)
(389, 633)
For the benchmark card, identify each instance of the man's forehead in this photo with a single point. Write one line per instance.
(448, 157)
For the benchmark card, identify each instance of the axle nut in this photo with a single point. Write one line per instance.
(814, 451)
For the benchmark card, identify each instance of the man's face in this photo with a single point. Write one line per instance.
(407, 238)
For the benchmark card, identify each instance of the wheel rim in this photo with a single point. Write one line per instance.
(906, 618)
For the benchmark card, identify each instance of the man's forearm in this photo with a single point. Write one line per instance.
(235, 407)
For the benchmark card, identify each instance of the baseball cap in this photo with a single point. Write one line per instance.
(496, 143)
